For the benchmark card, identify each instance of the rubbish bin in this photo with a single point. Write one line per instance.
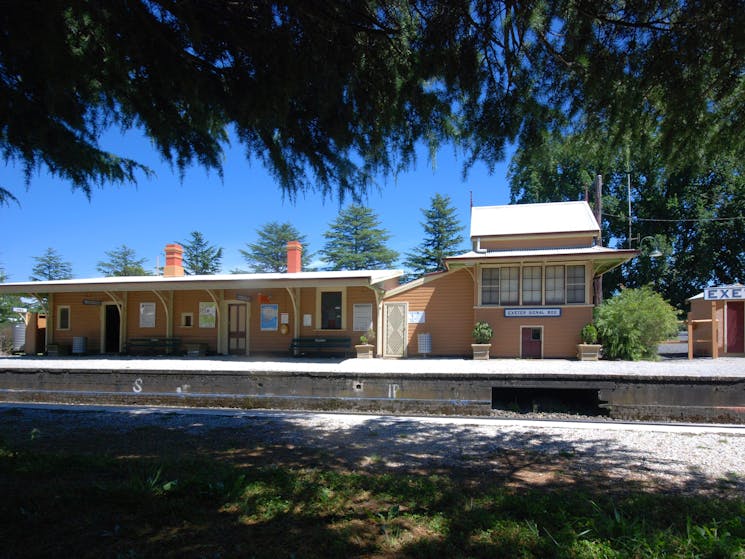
(424, 341)
(19, 337)
(79, 345)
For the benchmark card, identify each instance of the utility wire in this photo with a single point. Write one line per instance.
(625, 217)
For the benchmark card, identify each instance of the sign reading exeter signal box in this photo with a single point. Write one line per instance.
(730, 293)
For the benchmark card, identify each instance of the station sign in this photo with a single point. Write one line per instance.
(545, 312)
(730, 293)
(20, 309)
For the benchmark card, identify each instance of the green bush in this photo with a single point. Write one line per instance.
(589, 334)
(632, 323)
(482, 333)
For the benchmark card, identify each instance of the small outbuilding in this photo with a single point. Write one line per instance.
(717, 322)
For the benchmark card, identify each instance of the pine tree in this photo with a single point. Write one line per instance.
(442, 237)
(269, 252)
(122, 262)
(355, 241)
(50, 266)
(7, 302)
(201, 258)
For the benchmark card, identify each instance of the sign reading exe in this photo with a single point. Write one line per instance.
(724, 293)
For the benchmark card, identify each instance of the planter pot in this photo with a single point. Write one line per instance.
(365, 351)
(481, 351)
(588, 352)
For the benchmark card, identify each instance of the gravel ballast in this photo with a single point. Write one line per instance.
(689, 459)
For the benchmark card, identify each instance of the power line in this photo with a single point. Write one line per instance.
(701, 219)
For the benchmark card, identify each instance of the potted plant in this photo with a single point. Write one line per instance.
(589, 348)
(365, 349)
(482, 334)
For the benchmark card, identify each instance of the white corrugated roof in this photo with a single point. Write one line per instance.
(219, 281)
(532, 219)
(546, 252)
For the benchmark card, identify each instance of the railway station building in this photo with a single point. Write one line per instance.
(529, 275)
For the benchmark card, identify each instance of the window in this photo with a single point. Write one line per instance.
(147, 315)
(554, 285)
(63, 318)
(490, 286)
(575, 284)
(509, 285)
(532, 285)
(187, 319)
(331, 310)
(362, 320)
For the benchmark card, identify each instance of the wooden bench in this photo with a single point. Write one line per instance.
(153, 345)
(319, 343)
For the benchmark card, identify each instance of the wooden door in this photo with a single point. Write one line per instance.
(531, 342)
(735, 327)
(237, 329)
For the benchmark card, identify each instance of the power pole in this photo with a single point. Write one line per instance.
(598, 281)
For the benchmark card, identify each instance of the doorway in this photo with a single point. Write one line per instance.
(531, 346)
(735, 324)
(112, 329)
(396, 329)
(237, 329)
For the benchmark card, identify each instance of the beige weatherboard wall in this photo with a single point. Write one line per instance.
(529, 275)
(233, 313)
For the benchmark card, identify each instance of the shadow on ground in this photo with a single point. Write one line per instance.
(271, 485)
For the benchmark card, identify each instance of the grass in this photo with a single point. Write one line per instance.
(93, 504)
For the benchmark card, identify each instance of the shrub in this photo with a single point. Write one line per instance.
(368, 337)
(589, 334)
(632, 323)
(482, 333)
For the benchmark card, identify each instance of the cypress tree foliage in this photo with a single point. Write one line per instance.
(269, 252)
(200, 257)
(7, 302)
(329, 95)
(122, 262)
(442, 237)
(50, 266)
(355, 241)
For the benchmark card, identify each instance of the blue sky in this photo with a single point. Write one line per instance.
(227, 212)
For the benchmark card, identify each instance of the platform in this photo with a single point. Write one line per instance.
(677, 389)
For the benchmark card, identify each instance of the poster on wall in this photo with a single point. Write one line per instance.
(269, 317)
(207, 315)
(417, 317)
(147, 315)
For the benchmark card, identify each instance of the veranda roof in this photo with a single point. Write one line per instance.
(221, 281)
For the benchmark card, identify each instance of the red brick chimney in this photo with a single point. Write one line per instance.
(174, 261)
(294, 257)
